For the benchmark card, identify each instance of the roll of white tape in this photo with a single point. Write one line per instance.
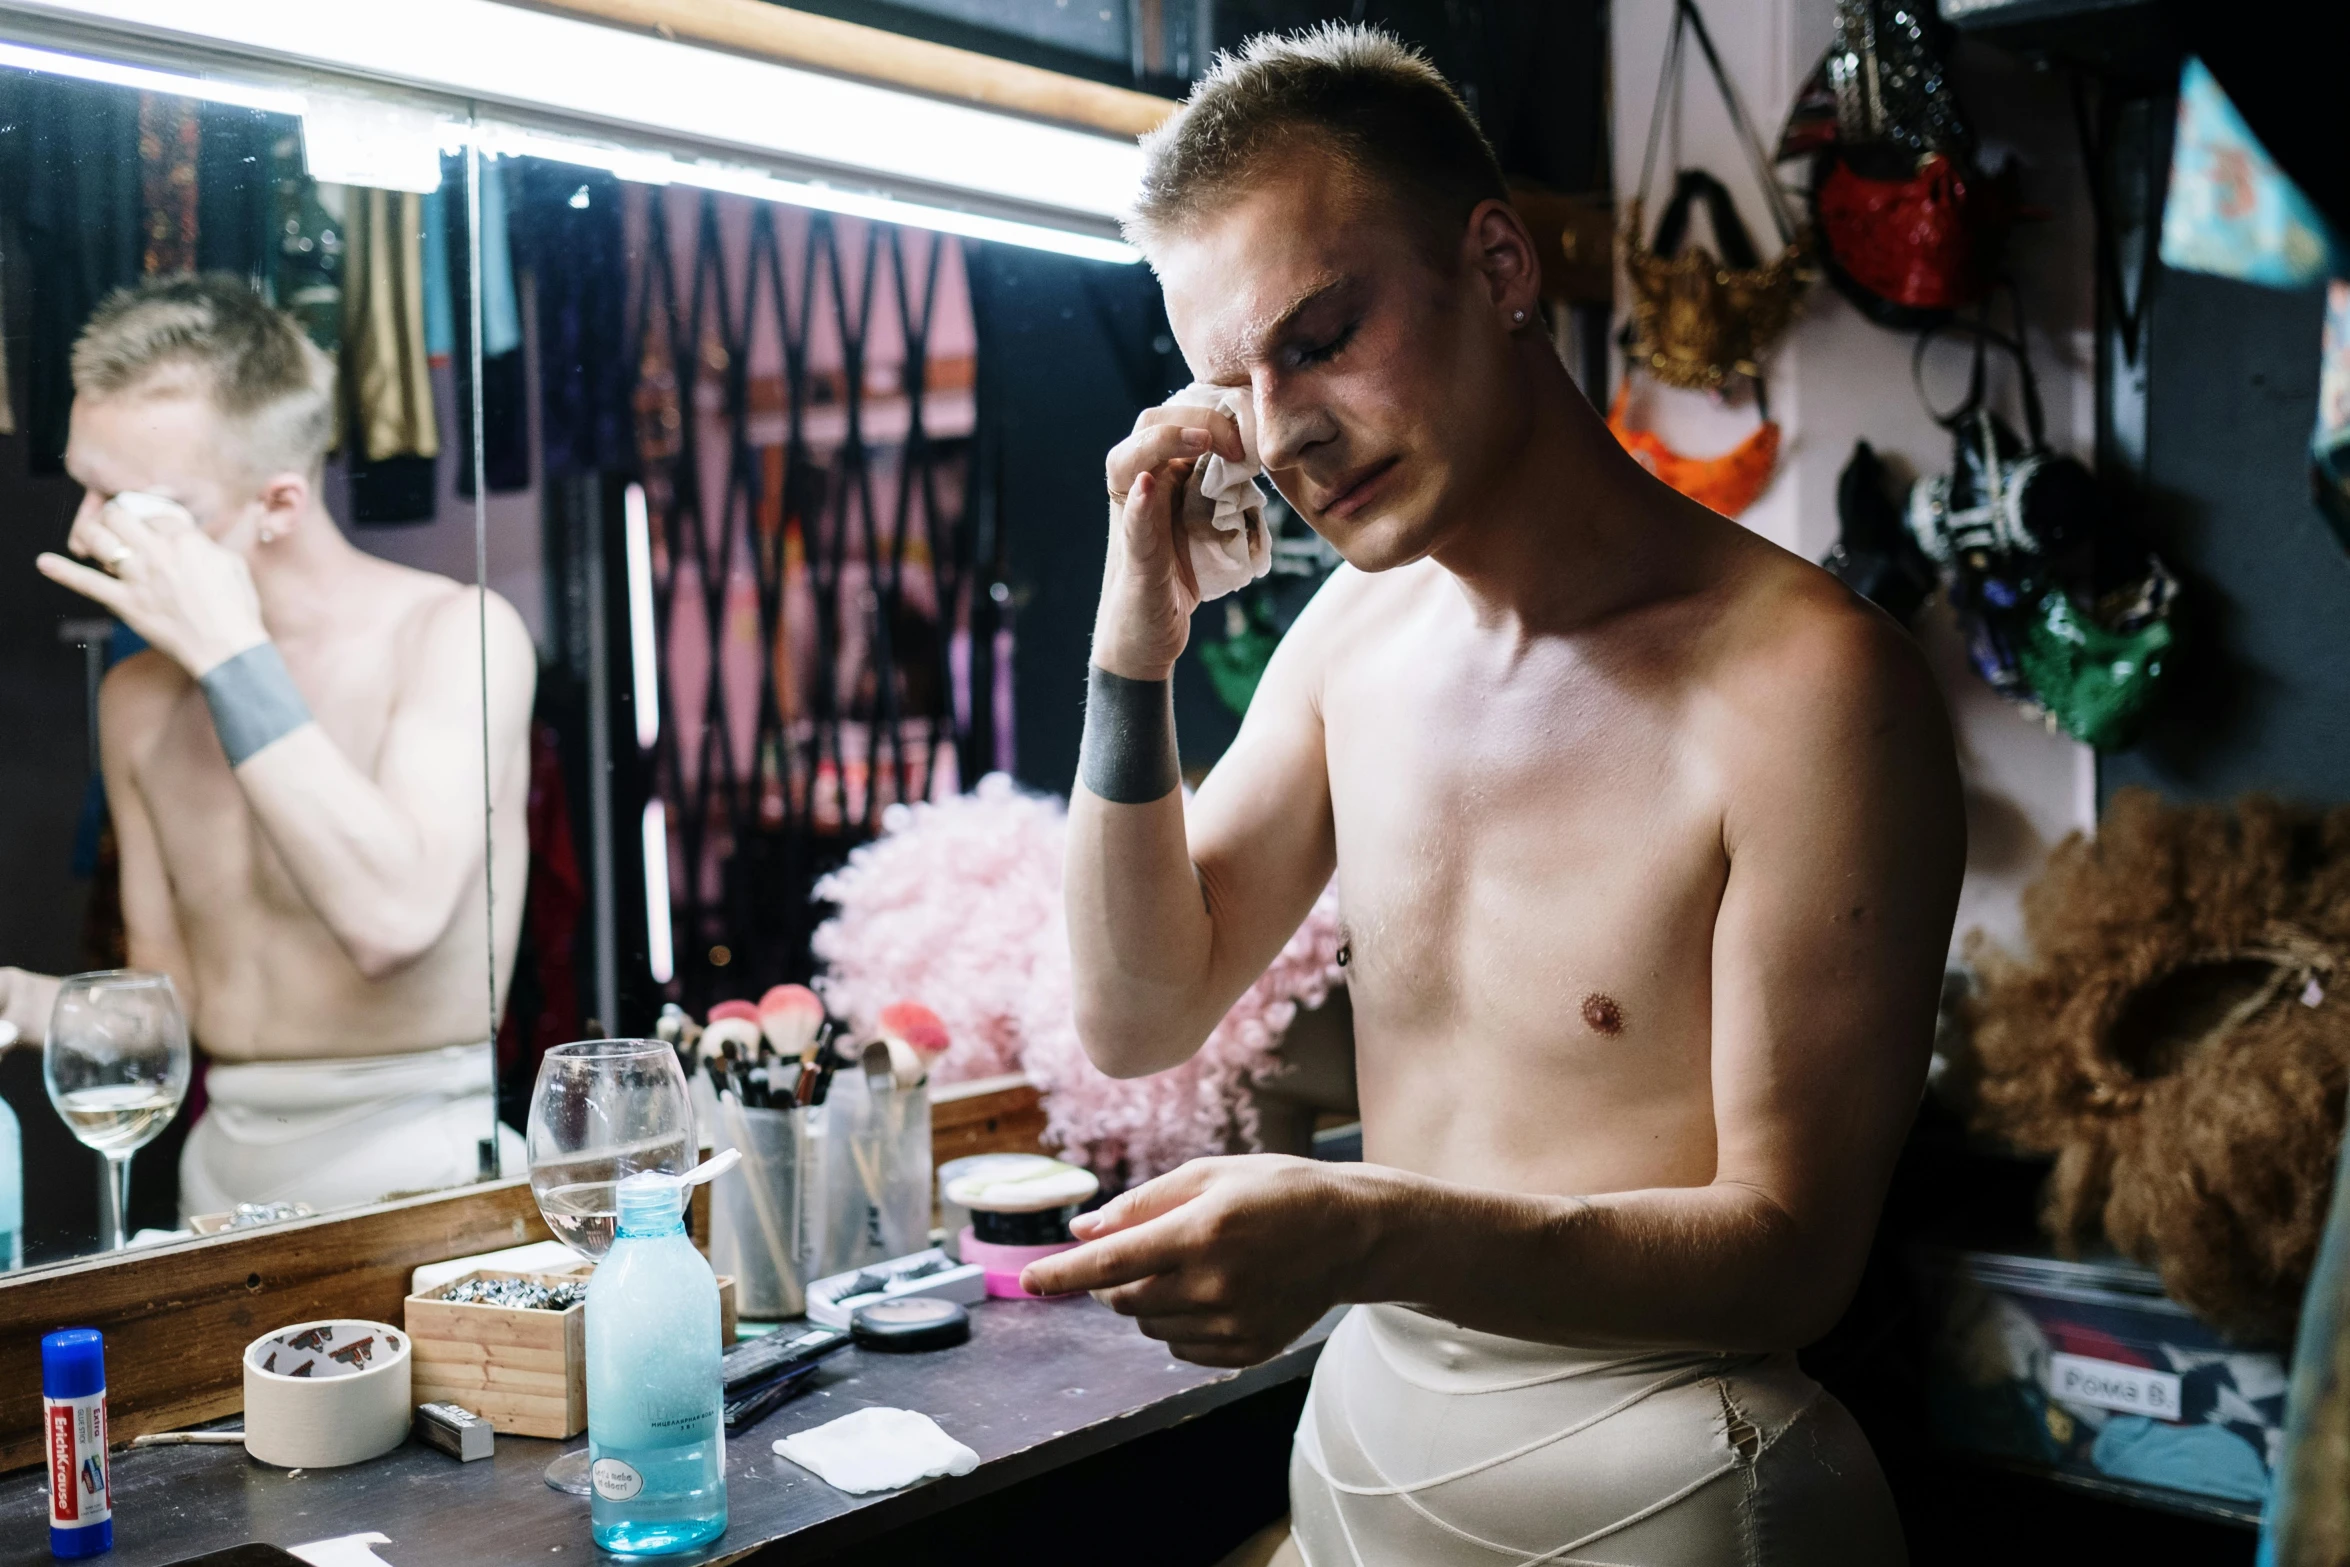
(322, 1394)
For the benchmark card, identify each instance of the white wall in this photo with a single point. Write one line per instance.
(1838, 377)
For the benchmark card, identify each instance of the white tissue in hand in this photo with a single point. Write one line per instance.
(1231, 549)
(877, 1450)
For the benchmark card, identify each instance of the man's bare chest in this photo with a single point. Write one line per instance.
(1508, 848)
(212, 845)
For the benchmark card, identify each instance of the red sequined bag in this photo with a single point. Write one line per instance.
(1925, 243)
(1910, 228)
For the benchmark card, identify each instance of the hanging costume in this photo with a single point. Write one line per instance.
(568, 231)
(1428, 1444)
(73, 181)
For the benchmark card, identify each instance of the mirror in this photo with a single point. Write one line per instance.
(324, 909)
(772, 594)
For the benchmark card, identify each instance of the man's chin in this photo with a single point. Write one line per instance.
(1382, 542)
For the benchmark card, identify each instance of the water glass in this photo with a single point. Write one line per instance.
(116, 1063)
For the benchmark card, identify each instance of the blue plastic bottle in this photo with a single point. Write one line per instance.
(655, 1440)
(11, 1189)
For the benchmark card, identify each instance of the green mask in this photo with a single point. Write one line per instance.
(2096, 681)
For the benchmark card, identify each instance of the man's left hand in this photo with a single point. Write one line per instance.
(1225, 1260)
(166, 579)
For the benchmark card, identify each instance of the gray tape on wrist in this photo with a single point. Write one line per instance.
(253, 701)
(1128, 754)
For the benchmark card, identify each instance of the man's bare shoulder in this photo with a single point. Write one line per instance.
(141, 689)
(1354, 608)
(444, 626)
(1801, 680)
(134, 699)
(1792, 639)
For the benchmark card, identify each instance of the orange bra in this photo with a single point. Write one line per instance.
(1729, 483)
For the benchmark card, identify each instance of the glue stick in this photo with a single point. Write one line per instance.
(73, 1409)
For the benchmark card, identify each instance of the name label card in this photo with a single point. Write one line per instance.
(2108, 1384)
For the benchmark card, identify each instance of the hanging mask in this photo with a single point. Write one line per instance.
(2064, 610)
(1909, 227)
(1728, 483)
(1696, 320)
(1875, 554)
(1699, 319)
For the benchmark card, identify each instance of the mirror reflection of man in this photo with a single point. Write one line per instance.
(293, 766)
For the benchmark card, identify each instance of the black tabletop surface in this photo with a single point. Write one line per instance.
(1040, 1384)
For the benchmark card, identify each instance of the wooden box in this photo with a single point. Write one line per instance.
(523, 1371)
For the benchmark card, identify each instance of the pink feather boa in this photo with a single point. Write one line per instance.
(958, 905)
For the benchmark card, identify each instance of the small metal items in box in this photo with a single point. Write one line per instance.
(523, 1368)
(512, 1347)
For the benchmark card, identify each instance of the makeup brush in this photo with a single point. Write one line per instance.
(735, 1024)
(916, 1039)
(790, 1015)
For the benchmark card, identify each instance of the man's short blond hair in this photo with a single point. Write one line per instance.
(211, 333)
(1363, 94)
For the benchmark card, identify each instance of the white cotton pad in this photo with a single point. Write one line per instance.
(877, 1450)
(146, 507)
(1233, 548)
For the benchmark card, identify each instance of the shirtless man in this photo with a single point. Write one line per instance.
(1649, 840)
(304, 857)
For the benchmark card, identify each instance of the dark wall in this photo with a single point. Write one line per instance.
(2263, 700)
(1069, 352)
(1532, 71)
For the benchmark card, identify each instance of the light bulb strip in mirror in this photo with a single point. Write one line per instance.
(656, 168)
(532, 64)
(244, 95)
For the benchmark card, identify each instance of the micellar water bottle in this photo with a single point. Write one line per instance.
(656, 1445)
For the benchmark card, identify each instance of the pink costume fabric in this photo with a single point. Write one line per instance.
(958, 905)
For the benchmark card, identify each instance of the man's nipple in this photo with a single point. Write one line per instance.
(1602, 1015)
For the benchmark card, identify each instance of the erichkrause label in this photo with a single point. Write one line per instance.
(78, 1489)
(615, 1479)
(2108, 1384)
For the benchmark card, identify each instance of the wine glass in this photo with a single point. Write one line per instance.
(116, 1063)
(602, 1110)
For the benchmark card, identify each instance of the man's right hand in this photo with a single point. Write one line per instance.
(189, 596)
(25, 1000)
(1148, 591)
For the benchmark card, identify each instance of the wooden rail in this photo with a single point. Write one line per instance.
(773, 32)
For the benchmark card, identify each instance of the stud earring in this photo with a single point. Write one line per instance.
(267, 536)
(1518, 316)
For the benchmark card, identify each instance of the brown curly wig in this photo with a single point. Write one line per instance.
(2180, 1041)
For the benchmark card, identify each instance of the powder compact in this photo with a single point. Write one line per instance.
(915, 1322)
(1020, 1209)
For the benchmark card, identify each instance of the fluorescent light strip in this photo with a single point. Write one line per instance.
(505, 54)
(660, 954)
(209, 89)
(653, 168)
(644, 666)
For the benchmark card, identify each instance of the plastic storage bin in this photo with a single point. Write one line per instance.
(2086, 1369)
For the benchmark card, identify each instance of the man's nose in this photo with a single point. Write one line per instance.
(1288, 425)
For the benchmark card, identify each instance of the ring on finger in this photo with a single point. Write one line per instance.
(115, 557)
